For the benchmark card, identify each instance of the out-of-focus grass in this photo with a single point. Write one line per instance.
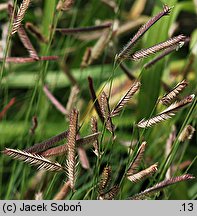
(25, 82)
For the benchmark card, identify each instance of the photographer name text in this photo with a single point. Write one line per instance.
(42, 207)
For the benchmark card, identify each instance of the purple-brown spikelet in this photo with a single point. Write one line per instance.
(143, 174)
(158, 47)
(39, 147)
(64, 5)
(20, 15)
(63, 191)
(125, 99)
(162, 185)
(94, 128)
(170, 96)
(94, 99)
(34, 159)
(127, 49)
(84, 142)
(104, 103)
(105, 179)
(187, 133)
(137, 160)
(71, 158)
(36, 32)
(167, 113)
(111, 194)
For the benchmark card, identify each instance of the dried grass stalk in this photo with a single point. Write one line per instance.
(143, 174)
(64, 5)
(84, 29)
(20, 60)
(34, 125)
(61, 195)
(160, 186)
(105, 179)
(167, 113)
(127, 49)
(7, 107)
(168, 149)
(36, 32)
(104, 103)
(71, 161)
(72, 98)
(131, 25)
(111, 194)
(137, 9)
(137, 160)
(101, 44)
(170, 96)
(20, 15)
(86, 57)
(187, 133)
(125, 99)
(54, 101)
(83, 158)
(3, 6)
(158, 47)
(34, 159)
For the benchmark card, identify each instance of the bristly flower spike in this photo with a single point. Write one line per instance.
(157, 48)
(126, 50)
(20, 15)
(170, 96)
(167, 113)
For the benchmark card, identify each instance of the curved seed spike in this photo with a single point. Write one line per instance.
(34, 159)
(71, 161)
(162, 185)
(167, 113)
(187, 133)
(137, 160)
(20, 15)
(104, 103)
(143, 174)
(170, 96)
(105, 179)
(158, 47)
(125, 99)
(110, 195)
